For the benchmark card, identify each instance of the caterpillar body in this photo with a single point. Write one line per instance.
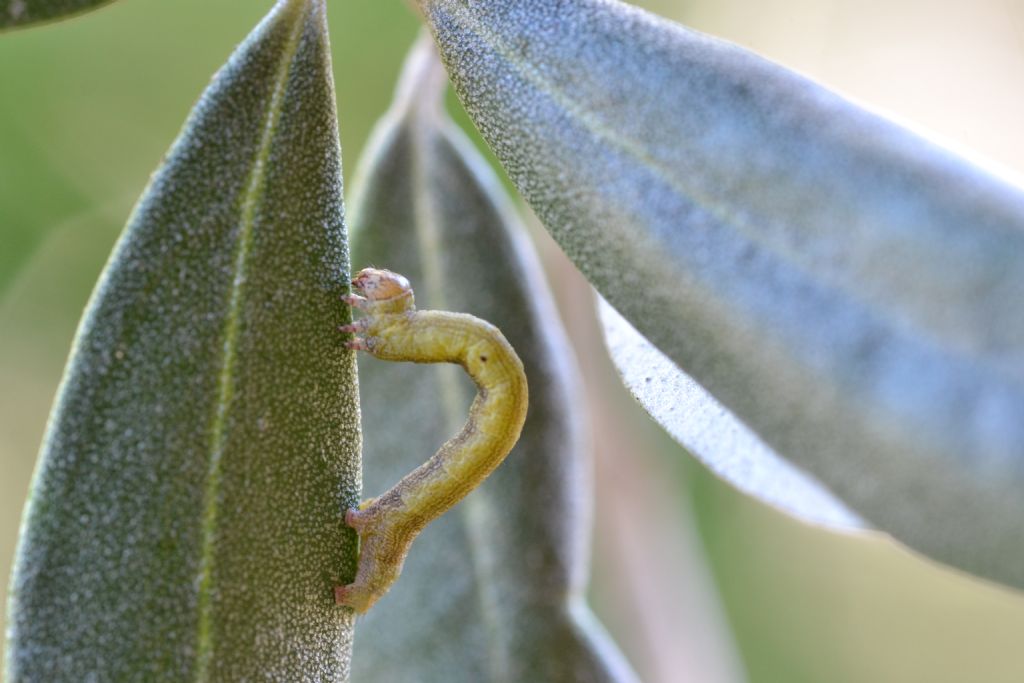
(394, 330)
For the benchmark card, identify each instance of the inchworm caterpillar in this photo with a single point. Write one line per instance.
(394, 330)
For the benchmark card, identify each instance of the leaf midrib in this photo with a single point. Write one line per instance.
(249, 203)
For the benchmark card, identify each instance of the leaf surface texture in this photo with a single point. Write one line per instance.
(185, 518)
(852, 293)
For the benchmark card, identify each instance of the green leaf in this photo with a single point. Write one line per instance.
(16, 13)
(185, 518)
(493, 590)
(852, 293)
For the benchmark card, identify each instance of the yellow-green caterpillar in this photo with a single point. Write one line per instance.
(394, 330)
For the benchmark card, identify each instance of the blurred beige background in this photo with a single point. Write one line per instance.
(695, 581)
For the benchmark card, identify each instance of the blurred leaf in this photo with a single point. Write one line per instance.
(492, 591)
(852, 293)
(29, 209)
(710, 432)
(185, 521)
(15, 13)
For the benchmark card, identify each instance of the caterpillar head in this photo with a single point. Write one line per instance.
(385, 291)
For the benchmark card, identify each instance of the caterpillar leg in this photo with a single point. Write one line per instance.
(358, 344)
(355, 301)
(350, 596)
(382, 551)
(355, 327)
(355, 518)
(354, 595)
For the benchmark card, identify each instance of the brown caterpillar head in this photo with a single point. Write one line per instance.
(378, 284)
(385, 291)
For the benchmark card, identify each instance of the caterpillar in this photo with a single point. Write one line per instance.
(392, 329)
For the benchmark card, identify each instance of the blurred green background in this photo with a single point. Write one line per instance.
(695, 581)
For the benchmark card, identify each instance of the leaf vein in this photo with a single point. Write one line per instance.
(218, 432)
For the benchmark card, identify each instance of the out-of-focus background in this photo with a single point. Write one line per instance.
(695, 581)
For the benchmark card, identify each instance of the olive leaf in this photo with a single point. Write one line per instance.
(711, 433)
(852, 293)
(493, 590)
(185, 518)
(14, 13)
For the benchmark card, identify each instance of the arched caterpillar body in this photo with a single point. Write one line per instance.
(394, 330)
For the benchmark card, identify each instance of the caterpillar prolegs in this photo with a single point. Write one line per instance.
(393, 329)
